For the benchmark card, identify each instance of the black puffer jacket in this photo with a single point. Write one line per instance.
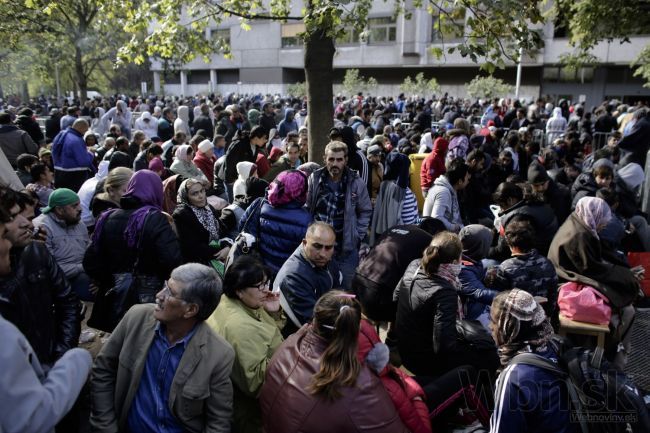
(38, 299)
(427, 308)
(160, 250)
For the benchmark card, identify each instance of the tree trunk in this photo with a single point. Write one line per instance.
(81, 79)
(319, 60)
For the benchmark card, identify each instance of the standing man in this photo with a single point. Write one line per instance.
(339, 197)
(163, 369)
(73, 163)
(66, 237)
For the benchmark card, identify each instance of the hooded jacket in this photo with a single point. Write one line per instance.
(442, 203)
(434, 164)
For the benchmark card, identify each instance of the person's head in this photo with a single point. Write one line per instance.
(189, 296)
(64, 204)
(538, 178)
(594, 213)
(5, 244)
(116, 182)
(42, 174)
(206, 148)
(247, 279)
(192, 193)
(258, 136)
(518, 321)
(25, 161)
(520, 236)
(507, 195)
(18, 229)
(81, 126)
(476, 240)
(319, 243)
(445, 248)
(337, 318)
(476, 161)
(603, 175)
(458, 173)
(336, 158)
(293, 152)
(290, 186)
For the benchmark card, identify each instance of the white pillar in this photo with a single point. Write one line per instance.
(156, 82)
(213, 80)
(183, 83)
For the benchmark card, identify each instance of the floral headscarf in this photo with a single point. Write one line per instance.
(594, 212)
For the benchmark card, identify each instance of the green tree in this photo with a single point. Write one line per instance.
(487, 87)
(354, 83)
(178, 35)
(420, 86)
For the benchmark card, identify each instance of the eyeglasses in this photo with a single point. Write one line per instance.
(263, 286)
(167, 293)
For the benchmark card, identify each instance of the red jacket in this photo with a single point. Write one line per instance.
(406, 394)
(205, 164)
(434, 164)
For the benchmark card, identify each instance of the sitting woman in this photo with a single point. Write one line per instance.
(396, 204)
(427, 311)
(577, 254)
(249, 318)
(183, 164)
(114, 188)
(279, 222)
(197, 222)
(315, 382)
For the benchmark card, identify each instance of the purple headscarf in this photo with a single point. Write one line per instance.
(146, 187)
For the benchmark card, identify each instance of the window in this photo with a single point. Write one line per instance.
(382, 30)
(290, 34)
(449, 28)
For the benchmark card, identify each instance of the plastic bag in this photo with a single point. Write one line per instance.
(584, 304)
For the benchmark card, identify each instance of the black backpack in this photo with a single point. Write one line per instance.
(603, 399)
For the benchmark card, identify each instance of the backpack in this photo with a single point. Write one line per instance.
(603, 399)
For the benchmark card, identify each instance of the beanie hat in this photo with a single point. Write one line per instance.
(205, 146)
(537, 174)
(60, 197)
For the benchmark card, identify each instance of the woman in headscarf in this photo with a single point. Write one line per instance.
(279, 222)
(578, 255)
(555, 126)
(519, 325)
(197, 222)
(474, 294)
(183, 164)
(138, 239)
(396, 204)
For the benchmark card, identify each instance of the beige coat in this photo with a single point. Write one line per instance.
(201, 392)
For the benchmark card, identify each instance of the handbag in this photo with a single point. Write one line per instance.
(583, 304)
(128, 289)
(474, 334)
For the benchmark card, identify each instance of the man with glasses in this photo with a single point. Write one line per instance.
(309, 273)
(163, 369)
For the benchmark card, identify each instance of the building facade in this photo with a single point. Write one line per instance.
(269, 57)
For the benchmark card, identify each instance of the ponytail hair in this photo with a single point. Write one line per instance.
(337, 318)
(445, 247)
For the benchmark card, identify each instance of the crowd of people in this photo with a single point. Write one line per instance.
(241, 286)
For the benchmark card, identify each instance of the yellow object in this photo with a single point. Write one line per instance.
(414, 175)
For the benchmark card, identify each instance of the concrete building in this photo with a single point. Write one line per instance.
(269, 57)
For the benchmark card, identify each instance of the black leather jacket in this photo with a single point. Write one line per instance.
(38, 299)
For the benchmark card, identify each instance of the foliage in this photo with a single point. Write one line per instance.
(297, 90)
(487, 87)
(420, 86)
(354, 83)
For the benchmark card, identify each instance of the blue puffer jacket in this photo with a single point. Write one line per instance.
(475, 296)
(279, 232)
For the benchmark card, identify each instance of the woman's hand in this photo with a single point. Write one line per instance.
(222, 254)
(272, 302)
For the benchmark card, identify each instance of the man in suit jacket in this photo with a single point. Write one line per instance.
(163, 368)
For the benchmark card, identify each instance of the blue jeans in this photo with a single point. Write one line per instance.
(81, 286)
(348, 267)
